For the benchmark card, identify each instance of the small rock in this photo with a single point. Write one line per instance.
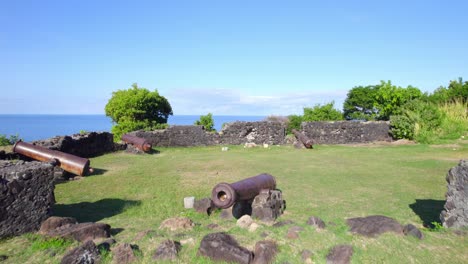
(188, 202)
(82, 232)
(204, 206)
(189, 241)
(316, 221)
(253, 227)
(87, 253)
(283, 223)
(223, 247)
(224, 149)
(143, 234)
(265, 145)
(306, 256)
(293, 232)
(265, 252)
(411, 230)
(123, 254)
(244, 222)
(340, 254)
(55, 222)
(374, 225)
(177, 223)
(167, 250)
(250, 145)
(212, 226)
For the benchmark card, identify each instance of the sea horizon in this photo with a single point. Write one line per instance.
(31, 127)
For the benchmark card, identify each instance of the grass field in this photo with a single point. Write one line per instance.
(134, 193)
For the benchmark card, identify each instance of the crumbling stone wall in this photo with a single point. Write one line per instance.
(455, 213)
(345, 132)
(179, 136)
(82, 145)
(236, 133)
(26, 196)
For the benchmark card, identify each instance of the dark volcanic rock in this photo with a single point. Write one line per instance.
(340, 254)
(223, 247)
(55, 222)
(316, 221)
(204, 206)
(84, 254)
(293, 232)
(123, 254)
(283, 223)
(265, 252)
(167, 250)
(374, 225)
(411, 230)
(82, 232)
(455, 213)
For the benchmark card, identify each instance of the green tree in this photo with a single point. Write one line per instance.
(360, 103)
(207, 122)
(324, 112)
(294, 122)
(389, 98)
(137, 108)
(458, 90)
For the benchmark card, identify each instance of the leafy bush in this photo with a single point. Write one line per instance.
(360, 103)
(390, 98)
(207, 122)
(11, 140)
(324, 112)
(294, 123)
(137, 108)
(402, 127)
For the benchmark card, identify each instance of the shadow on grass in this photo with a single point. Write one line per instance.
(97, 171)
(93, 212)
(428, 210)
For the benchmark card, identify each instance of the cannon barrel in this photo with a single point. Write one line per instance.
(68, 162)
(224, 195)
(138, 142)
(308, 143)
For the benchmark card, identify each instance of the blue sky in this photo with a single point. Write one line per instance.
(223, 57)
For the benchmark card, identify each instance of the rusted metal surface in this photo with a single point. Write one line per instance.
(68, 162)
(308, 143)
(224, 195)
(138, 142)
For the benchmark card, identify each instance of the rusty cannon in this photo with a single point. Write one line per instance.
(68, 162)
(256, 196)
(307, 142)
(137, 142)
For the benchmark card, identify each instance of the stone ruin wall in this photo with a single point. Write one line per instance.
(85, 145)
(273, 133)
(26, 196)
(455, 213)
(346, 132)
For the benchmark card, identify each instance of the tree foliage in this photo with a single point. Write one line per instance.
(456, 91)
(324, 112)
(207, 122)
(8, 140)
(390, 98)
(360, 103)
(295, 122)
(137, 108)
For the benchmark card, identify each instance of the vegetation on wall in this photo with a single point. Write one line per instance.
(137, 108)
(8, 140)
(207, 122)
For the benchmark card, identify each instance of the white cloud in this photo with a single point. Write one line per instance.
(232, 102)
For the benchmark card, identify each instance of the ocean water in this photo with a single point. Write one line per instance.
(36, 127)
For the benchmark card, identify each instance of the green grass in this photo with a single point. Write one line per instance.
(134, 193)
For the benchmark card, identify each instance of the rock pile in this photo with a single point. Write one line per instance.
(26, 196)
(455, 213)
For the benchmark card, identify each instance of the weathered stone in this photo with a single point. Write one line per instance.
(268, 205)
(411, 230)
(293, 232)
(82, 232)
(265, 252)
(123, 254)
(212, 226)
(244, 222)
(143, 234)
(177, 223)
(55, 222)
(283, 223)
(26, 196)
(84, 254)
(204, 206)
(455, 213)
(167, 250)
(340, 254)
(316, 221)
(253, 227)
(223, 247)
(374, 225)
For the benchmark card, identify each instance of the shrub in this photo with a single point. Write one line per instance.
(295, 122)
(137, 108)
(207, 122)
(324, 112)
(11, 140)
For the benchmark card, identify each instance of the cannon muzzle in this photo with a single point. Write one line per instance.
(224, 195)
(137, 142)
(68, 162)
